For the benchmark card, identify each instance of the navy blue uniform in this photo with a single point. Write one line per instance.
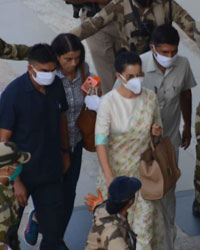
(34, 119)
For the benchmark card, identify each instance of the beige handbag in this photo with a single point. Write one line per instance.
(158, 170)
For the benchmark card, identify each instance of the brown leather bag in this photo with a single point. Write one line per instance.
(158, 170)
(86, 123)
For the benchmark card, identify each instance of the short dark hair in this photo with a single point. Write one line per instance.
(115, 207)
(126, 58)
(67, 42)
(41, 53)
(165, 34)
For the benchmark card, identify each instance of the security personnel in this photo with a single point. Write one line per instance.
(110, 228)
(135, 20)
(11, 160)
(13, 51)
(32, 113)
(103, 45)
(196, 203)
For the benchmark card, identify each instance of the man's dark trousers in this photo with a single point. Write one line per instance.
(48, 203)
(69, 184)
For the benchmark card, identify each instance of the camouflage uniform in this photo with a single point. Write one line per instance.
(13, 51)
(197, 169)
(4, 246)
(8, 214)
(120, 11)
(109, 231)
(103, 46)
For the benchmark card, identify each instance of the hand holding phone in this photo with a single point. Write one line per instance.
(90, 83)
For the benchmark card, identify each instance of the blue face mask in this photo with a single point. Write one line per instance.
(16, 173)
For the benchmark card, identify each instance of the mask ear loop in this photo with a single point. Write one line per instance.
(34, 69)
(155, 51)
(123, 77)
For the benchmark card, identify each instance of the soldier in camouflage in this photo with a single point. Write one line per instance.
(136, 19)
(8, 213)
(4, 246)
(110, 229)
(103, 45)
(132, 35)
(196, 203)
(10, 167)
(13, 51)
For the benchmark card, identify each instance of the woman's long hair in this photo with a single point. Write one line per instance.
(67, 42)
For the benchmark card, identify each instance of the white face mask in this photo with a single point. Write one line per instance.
(134, 84)
(44, 78)
(164, 61)
(92, 102)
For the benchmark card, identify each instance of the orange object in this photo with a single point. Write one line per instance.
(90, 82)
(92, 201)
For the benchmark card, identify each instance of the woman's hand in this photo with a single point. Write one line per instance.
(156, 130)
(109, 180)
(104, 162)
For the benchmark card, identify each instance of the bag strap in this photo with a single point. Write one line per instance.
(136, 15)
(83, 76)
(153, 143)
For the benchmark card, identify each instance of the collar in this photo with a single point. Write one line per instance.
(121, 217)
(28, 83)
(61, 76)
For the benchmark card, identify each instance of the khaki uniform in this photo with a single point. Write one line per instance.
(8, 212)
(110, 232)
(13, 51)
(103, 46)
(120, 12)
(4, 246)
(197, 169)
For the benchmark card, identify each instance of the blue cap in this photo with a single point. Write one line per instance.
(123, 188)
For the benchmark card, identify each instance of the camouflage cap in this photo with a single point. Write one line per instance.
(123, 188)
(10, 154)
